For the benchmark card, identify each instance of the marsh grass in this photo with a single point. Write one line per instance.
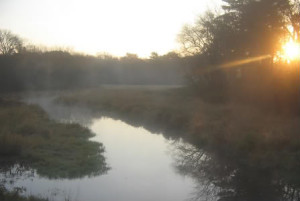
(230, 128)
(157, 110)
(253, 151)
(55, 150)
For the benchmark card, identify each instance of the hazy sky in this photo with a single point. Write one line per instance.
(93, 26)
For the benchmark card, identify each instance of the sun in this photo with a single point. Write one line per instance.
(291, 50)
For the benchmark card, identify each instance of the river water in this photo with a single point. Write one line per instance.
(141, 165)
(145, 166)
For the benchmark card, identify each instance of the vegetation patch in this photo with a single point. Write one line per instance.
(227, 127)
(55, 150)
(242, 150)
(15, 196)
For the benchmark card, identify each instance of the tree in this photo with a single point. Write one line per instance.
(195, 39)
(259, 25)
(293, 18)
(245, 28)
(9, 43)
(154, 55)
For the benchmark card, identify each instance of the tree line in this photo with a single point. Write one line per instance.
(236, 47)
(32, 68)
(242, 28)
(239, 32)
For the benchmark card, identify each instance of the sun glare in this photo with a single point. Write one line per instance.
(290, 52)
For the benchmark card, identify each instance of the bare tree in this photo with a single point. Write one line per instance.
(9, 43)
(196, 38)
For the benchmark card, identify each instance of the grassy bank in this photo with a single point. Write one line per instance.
(56, 150)
(235, 127)
(251, 153)
(157, 110)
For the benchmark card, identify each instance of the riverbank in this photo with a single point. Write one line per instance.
(32, 141)
(246, 151)
(55, 150)
(234, 137)
(230, 128)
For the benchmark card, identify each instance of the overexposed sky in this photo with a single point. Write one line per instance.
(95, 26)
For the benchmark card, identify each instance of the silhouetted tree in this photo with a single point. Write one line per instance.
(258, 25)
(245, 28)
(9, 43)
(293, 18)
(195, 39)
(130, 56)
(154, 55)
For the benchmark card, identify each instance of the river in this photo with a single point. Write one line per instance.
(141, 164)
(145, 166)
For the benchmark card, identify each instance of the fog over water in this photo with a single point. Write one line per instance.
(141, 165)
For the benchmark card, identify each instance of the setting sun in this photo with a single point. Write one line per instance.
(291, 50)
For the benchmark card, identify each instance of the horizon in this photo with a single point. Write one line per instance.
(93, 27)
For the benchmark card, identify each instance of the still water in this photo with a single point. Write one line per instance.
(144, 166)
(141, 169)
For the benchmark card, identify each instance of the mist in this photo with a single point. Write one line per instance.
(57, 70)
(215, 119)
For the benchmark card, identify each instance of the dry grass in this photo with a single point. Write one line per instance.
(179, 112)
(28, 136)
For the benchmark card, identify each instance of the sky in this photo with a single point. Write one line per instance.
(95, 27)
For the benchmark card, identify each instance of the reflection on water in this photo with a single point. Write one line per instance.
(141, 169)
(258, 170)
(239, 179)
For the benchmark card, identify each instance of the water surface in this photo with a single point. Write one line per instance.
(141, 170)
